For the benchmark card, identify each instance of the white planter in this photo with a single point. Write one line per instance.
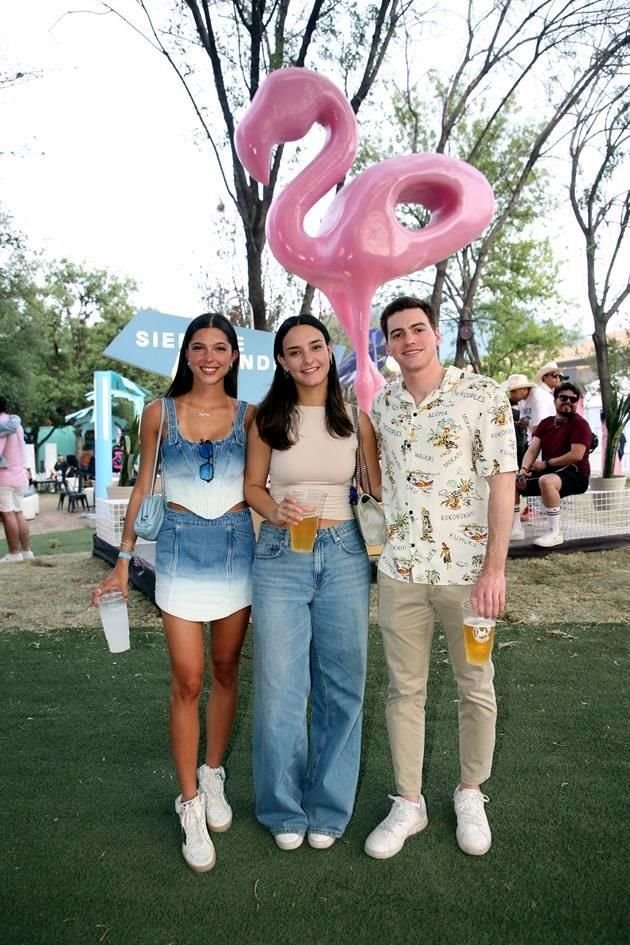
(608, 484)
(607, 502)
(119, 492)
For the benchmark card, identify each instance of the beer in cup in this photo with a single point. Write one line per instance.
(478, 635)
(303, 535)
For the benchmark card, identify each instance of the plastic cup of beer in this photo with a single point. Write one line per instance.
(478, 635)
(112, 608)
(303, 535)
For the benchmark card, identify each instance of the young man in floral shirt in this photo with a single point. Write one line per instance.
(448, 455)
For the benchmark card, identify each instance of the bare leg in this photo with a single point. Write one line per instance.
(24, 534)
(185, 645)
(550, 486)
(11, 531)
(227, 639)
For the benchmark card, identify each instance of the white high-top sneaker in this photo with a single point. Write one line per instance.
(197, 847)
(212, 786)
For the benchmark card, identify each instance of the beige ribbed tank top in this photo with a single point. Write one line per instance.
(317, 460)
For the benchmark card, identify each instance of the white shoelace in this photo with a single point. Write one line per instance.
(398, 815)
(471, 809)
(194, 825)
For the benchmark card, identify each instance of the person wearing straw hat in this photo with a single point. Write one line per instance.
(518, 388)
(540, 403)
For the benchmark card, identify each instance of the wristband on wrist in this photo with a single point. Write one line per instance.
(125, 555)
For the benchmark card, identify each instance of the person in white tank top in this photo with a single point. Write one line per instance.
(203, 562)
(309, 610)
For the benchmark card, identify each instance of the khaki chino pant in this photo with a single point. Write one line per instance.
(406, 615)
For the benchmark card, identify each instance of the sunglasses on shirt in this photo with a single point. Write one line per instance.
(206, 452)
(567, 399)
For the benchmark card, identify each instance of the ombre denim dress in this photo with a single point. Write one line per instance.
(204, 556)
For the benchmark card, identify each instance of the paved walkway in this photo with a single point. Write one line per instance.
(52, 519)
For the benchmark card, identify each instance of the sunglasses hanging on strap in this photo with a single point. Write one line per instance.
(368, 514)
(206, 453)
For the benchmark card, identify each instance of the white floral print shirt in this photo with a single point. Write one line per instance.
(436, 457)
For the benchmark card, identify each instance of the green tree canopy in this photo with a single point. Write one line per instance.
(56, 319)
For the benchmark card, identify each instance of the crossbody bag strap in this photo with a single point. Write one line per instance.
(361, 473)
(157, 451)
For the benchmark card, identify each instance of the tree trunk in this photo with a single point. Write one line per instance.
(438, 289)
(254, 284)
(307, 301)
(603, 368)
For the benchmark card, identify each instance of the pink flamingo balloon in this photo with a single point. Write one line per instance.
(360, 243)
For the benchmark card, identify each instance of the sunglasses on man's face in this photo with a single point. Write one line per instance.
(567, 399)
(206, 470)
(554, 374)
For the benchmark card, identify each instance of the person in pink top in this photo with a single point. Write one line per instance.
(13, 485)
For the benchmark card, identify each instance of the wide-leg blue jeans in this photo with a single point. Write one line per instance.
(310, 615)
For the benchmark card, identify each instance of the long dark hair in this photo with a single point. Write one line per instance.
(276, 416)
(183, 380)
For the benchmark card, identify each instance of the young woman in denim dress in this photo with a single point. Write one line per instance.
(309, 610)
(203, 562)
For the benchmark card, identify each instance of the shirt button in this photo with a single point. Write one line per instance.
(412, 545)
(415, 414)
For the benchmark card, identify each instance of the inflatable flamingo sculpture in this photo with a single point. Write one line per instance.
(360, 243)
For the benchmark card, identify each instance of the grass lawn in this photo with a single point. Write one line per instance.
(90, 841)
(58, 543)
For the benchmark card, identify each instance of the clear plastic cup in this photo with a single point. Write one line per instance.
(303, 535)
(112, 608)
(478, 635)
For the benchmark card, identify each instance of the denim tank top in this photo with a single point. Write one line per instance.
(181, 460)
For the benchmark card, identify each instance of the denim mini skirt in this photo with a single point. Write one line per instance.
(203, 567)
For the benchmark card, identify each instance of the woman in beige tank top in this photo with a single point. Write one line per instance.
(310, 609)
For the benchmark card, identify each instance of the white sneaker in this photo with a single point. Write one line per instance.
(10, 559)
(197, 847)
(289, 841)
(320, 841)
(211, 785)
(473, 830)
(404, 819)
(549, 540)
(517, 534)
(27, 555)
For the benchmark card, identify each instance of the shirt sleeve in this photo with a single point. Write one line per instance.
(375, 417)
(9, 425)
(540, 429)
(495, 451)
(581, 433)
(541, 408)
